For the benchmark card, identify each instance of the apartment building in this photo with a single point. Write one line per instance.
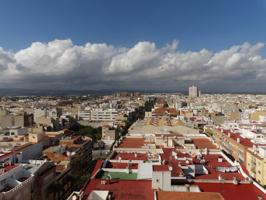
(256, 164)
(232, 143)
(15, 119)
(109, 134)
(14, 180)
(193, 91)
(70, 151)
(25, 181)
(99, 115)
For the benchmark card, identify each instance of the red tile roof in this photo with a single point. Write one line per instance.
(211, 163)
(163, 195)
(171, 161)
(233, 192)
(124, 165)
(122, 189)
(9, 167)
(132, 143)
(202, 143)
(167, 153)
(162, 111)
(97, 167)
(6, 155)
(131, 156)
(244, 141)
(160, 168)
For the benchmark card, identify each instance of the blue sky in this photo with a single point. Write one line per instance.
(196, 24)
(133, 44)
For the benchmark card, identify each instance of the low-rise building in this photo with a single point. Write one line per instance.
(256, 164)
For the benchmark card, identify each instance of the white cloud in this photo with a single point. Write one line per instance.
(64, 64)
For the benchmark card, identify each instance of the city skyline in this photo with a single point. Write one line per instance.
(136, 100)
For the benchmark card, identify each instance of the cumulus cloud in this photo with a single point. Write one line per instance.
(62, 64)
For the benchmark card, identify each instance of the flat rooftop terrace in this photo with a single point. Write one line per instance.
(130, 156)
(141, 127)
(216, 165)
(116, 165)
(212, 164)
(116, 175)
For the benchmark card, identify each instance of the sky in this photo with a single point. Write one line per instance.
(137, 45)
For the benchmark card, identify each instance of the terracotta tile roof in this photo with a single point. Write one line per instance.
(131, 156)
(97, 166)
(244, 141)
(162, 195)
(9, 167)
(122, 189)
(202, 143)
(171, 161)
(231, 191)
(211, 163)
(6, 155)
(162, 111)
(123, 165)
(132, 143)
(160, 168)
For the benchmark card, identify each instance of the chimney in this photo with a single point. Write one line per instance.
(220, 177)
(238, 140)
(235, 182)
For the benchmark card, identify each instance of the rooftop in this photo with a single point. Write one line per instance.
(160, 168)
(236, 136)
(132, 143)
(162, 195)
(202, 143)
(130, 156)
(122, 165)
(231, 191)
(122, 189)
(215, 164)
(116, 175)
(6, 155)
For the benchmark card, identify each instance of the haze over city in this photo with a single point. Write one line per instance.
(133, 45)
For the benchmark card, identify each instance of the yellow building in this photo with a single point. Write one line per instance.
(256, 166)
(256, 116)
